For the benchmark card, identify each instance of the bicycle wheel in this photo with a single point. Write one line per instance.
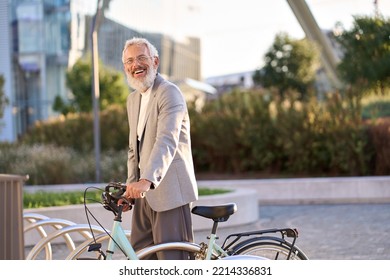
(271, 250)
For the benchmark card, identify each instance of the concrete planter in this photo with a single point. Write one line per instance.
(332, 190)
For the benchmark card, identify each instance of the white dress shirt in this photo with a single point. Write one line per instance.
(142, 111)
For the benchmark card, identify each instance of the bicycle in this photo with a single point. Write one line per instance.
(262, 244)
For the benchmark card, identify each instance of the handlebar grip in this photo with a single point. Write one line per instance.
(110, 197)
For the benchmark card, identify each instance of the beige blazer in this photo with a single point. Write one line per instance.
(164, 147)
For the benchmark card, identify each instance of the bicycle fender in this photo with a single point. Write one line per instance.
(244, 243)
(243, 257)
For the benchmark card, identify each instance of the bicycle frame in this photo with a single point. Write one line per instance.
(214, 247)
(119, 239)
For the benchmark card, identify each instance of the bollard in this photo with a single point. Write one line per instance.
(11, 217)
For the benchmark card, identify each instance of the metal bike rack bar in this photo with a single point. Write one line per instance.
(33, 218)
(84, 230)
(57, 224)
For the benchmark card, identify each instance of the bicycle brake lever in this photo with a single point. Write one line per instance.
(127, 201)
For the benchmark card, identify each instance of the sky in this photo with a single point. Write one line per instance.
(235, 34)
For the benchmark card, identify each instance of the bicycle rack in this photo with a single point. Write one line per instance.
(82, 229)
(57, 224)
(62, 228)
(33, 218)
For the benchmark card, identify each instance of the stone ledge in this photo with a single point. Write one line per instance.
(330, 190)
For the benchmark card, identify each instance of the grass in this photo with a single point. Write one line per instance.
(47, 199)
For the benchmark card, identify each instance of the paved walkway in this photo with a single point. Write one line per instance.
(326, 232)
(331, 232)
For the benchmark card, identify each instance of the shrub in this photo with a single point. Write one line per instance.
(49, 164)
(380, 135)
(244, 131)
(321, 138)
(43, 164)
(76, 131)
(233, 133)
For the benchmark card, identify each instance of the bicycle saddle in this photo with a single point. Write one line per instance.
(219, 213)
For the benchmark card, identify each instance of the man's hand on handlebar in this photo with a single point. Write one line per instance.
(137, 189)
(134, 190)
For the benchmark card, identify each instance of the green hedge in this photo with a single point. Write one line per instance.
(76, 131)
(250, 131)
(50, 164)
(244, 131)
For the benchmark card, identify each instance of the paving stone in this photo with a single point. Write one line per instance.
(326, 232)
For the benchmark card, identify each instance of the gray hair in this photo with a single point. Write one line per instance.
(140, 41)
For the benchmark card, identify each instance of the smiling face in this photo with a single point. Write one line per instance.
(140, 67)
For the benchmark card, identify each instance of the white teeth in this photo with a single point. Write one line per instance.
(138, 71)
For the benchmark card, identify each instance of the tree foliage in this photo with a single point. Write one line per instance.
(289, 64)
(3, 98)
(366, 48)
(113, 88)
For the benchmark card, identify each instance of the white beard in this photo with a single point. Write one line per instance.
(145, 83)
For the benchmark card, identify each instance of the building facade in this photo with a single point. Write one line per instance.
(44, 38)
(178, 60)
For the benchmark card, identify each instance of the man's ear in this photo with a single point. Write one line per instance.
(156, 62)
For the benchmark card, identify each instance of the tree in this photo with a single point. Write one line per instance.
(113, 89)
(366, 48)
(3, 99)
(289, 64)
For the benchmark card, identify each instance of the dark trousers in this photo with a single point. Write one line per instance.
(150, 227)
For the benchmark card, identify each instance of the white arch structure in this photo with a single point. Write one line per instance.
(314, 33)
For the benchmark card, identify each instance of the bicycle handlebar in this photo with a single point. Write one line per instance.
(113, 192)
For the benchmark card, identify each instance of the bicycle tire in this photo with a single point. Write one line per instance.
(270, 249)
